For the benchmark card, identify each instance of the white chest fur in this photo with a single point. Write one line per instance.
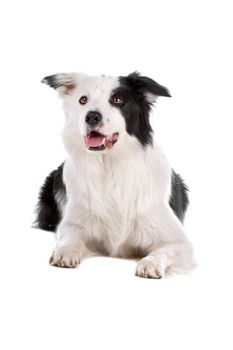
(108, 193)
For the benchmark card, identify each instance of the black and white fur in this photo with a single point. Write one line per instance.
(122, 201)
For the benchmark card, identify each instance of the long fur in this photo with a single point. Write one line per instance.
(53, 196)
(125, 201)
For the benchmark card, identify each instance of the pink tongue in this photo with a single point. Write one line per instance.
(94, 140)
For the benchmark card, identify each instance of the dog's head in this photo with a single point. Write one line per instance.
(102, 111)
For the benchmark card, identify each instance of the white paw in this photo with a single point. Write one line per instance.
(65, 257)
(150, 267)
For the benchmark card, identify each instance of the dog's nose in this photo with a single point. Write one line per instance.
(93, 118)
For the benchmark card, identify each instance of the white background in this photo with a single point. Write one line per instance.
(184, 45)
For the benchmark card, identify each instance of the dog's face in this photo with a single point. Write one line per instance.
(101, 111)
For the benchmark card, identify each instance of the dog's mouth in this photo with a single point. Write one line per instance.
(99, 142)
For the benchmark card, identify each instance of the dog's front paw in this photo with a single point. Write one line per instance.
(150, 267)
(65, 257)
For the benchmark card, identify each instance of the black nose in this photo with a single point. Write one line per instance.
(93, 118)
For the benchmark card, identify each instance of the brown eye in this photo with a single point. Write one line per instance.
(117, 100)
(83, 100)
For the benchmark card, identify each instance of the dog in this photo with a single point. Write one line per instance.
(116, 194)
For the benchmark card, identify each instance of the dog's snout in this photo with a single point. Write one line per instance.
(93, 118)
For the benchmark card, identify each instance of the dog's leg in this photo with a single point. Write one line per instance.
(175, 252)
(69, 247)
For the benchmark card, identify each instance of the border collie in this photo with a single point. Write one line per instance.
(115, 194)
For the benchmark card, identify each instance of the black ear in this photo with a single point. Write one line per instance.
(148, 86)
(63, 82)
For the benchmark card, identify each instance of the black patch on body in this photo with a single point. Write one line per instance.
(49, 214)
(136, 107)
(179, 196)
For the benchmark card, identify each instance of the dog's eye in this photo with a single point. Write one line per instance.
(83, 100)
(118, 100)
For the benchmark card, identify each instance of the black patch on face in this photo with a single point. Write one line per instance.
(136, 107)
